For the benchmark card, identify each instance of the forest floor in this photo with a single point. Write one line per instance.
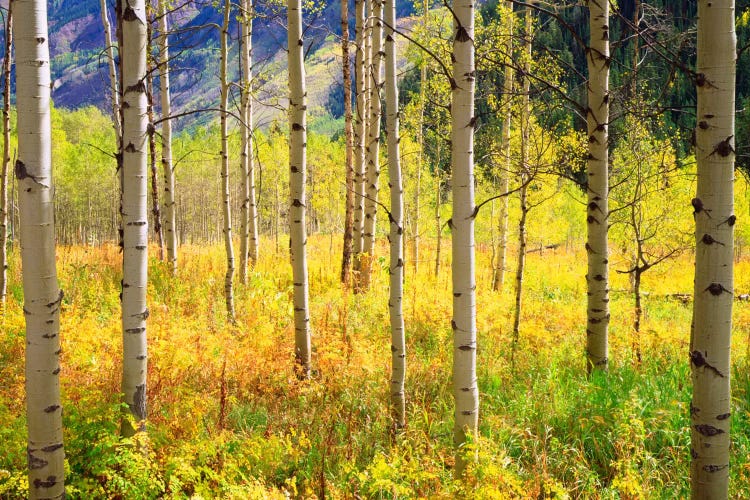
(228, 418)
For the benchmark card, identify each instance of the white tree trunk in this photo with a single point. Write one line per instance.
(249, 215)
(346, 256)
(360, 131)
(170, 215)
(42, 297)
(597, 218)
(396, 267)
(134, 211)
(6, 157)
(462, 224)
(113, 82)
(298, 168)
(373, 142)
(225, 190)
(524, 175)
(498, 279)
(714, 232)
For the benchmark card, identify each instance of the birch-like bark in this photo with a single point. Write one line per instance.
(155, 209)
(373, 141)
(225, 189)
(42, 296)
(114, 88)
(396, 267)
(170, 215)
(298, 168)
(420, 141)
(249, 208)
(134, 211)
(463, 120)
(360, 132)
(597, 218)
(346, 256)
(498, 279)
(6, 156)
(714, 233)
(524, 172)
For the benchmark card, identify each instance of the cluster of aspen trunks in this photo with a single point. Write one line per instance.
(375, 50)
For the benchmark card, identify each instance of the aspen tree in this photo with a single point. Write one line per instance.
(113, 81)
(714, 234)
(155, 209)
(525, 173)
(134, 211)
(463, 120)
(225, 190)
(297, 168)
(42, 296)
(420, 140)
(170, 215)
(6, 156)
(396, 266)
(249, 208)
(498, 278)
(597, 169)
(348, 132)
(373, 141)
(360, 132)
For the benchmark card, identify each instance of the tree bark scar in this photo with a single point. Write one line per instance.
(139, 401)
(714, 468)
(52, 408)
(50, 482)
(708, 430)
(130, 15)
(139, 87)
(699, 360)
(723, 416)
(36, 463)
(57, 301)
(52, 447)
(716, 289)
(22, 173)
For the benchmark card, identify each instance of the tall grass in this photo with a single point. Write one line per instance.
(228, 418)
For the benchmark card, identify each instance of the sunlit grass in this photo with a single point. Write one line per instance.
(229, 419)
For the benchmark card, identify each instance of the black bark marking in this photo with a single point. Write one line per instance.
(140, 247)
(708, 430)
(724, 148)
(454, 326)
(22, 173)
(730, 221)
(465, 348)
(144, 315)
(56, 371)
(36, 463)
(57, 301)
(52, 447)
(48, 483)
(297, 203)
(714, 468)
(703, 125)
(693, 453)
(698, 207)
(723, 416)
(709, 240)
(700, 79)
(135, 330)
(130, 15)
(52, 408)
(699, 360)
(591, 219)
(139, 401)
(139, 87)
(716, 289)
(130, 148)
(297, 127)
